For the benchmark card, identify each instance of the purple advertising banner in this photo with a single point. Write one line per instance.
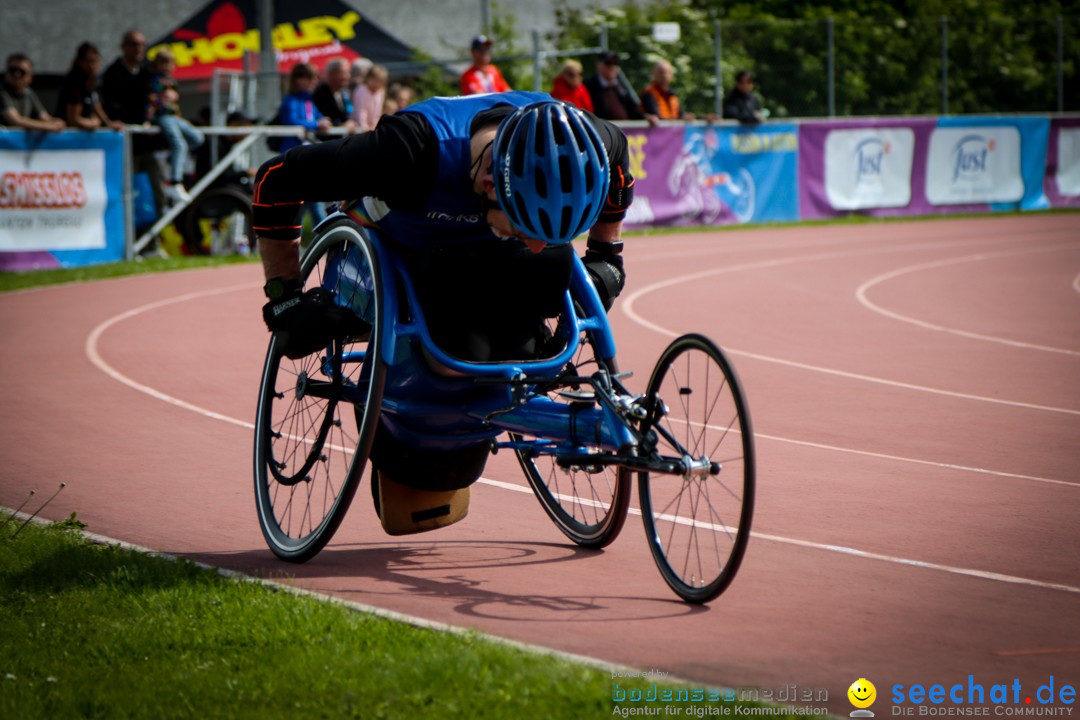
(923, 166)
(653, 154)
(872, 166)
(1062, 180)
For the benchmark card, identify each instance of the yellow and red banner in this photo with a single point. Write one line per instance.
(222, 32)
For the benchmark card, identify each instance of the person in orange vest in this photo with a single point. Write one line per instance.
(658, 102)
(483, 76)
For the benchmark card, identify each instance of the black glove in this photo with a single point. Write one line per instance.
(305, 322)
(604, 263)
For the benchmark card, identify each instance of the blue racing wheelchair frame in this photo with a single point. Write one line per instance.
(579, 434)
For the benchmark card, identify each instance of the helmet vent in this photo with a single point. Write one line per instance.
(567, 218)
(545, 222)
(518, 159)
(522, 211)
(565, 174)
(540, 183)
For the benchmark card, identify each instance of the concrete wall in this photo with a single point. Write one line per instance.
(50, 30)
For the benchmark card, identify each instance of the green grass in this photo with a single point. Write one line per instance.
(95, 631)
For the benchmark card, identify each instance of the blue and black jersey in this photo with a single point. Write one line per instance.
(412, 173)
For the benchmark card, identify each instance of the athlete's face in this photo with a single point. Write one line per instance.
(502, 228)
(498, 221)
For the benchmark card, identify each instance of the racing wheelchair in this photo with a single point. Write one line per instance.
(579, 434)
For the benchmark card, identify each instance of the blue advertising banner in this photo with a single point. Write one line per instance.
(709, 175)
(61, 199)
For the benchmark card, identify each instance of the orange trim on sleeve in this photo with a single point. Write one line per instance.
(258, 185)
(280, 204)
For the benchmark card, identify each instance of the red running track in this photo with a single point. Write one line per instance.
(915, 389)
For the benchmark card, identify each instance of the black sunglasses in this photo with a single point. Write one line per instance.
(16, 71)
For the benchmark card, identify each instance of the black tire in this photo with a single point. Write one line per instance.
(698, 523)
(219, 222)
(588, 504)
(317, 416)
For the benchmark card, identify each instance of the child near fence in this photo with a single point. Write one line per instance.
(163, 110)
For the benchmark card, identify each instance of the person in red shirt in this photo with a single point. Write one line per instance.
(483, 76)
(569, 86)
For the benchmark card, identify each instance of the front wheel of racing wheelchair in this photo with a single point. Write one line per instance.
(698, 510)
(317, 415)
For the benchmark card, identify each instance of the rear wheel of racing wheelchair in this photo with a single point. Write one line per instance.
(588, 504)
(219, 222)
(317, 415)
(698, 522)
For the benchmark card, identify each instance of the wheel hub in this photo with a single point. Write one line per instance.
(301, 385)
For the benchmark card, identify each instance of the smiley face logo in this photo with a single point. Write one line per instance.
(862, 693)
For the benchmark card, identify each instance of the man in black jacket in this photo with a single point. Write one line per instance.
(742, 103)
(611, 101)
(126, 83)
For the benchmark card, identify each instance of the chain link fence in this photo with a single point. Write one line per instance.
(942, 66)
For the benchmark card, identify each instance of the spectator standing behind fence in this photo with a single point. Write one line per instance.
(742, 103)
(357, 72)
(398, 96)
(569, 86)
(483, 76)
(163, 110)
(658, 101)
(333, 97)
(298, 106)
(19, 104)
(79, 104)
(611, 101)
(368, 99)
(125, 86)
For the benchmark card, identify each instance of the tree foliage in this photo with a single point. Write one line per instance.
(1000, 55)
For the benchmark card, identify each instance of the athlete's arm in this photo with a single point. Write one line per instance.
(603, 254)
(395, 162)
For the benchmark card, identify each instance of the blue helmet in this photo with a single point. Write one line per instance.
(551, 171)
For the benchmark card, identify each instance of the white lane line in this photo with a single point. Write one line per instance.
(931, 463)
(91, 348)
(895, 458)
(92, 353)
(631, 312)
(861, 296)
(842, 549)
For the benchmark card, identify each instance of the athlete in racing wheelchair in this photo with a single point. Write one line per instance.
(481, 196)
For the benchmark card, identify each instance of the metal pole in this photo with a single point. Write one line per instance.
(1060, 64)
(718, 52)
(129, 200)
(603, 37)
(267, 58)
(215, 111)
(831, 64)
(536, 59)
(485, 16)
(944, 65)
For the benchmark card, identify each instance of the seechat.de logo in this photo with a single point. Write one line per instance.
(972, 698)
